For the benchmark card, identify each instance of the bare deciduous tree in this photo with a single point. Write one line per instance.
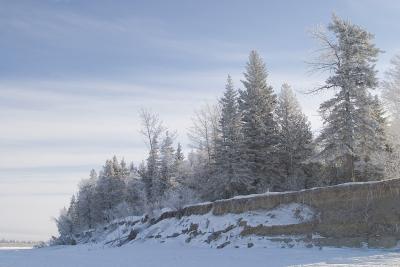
(204, 131)
(152, 127)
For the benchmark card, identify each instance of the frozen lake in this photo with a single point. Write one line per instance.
(175, 256)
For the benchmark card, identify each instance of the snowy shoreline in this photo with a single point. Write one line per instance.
(14, 248)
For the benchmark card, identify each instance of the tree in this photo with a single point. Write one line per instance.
(228, 179)
(65, 228)
(167, 171)
(151, 129)
(349, 55)
(73, 215)
(135, 195)
(204, 131)
(109, 192)
(197, 175)
(295, 139)
(391, 163)
(391, 100)
(203, 136)
(125, 171)
(180, 167)
(257, 104)
(371, 140)
(391, 93)
(116, 166)
(85, 201)
(93, 175)
(179, 157)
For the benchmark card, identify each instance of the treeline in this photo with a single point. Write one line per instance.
(253, 140)
(13, 241)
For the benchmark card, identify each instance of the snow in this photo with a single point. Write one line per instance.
(198, 204)
(209, 230)
(192, 241)
(293, 213)
(269, 193)
(129, 218)
(154, 255)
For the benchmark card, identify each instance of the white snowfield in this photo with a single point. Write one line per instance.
(168, 255)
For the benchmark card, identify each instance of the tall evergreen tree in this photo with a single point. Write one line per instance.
(180, 166)
(85, 203)
(73, 214)
(167, 170)
(179, 156)
(125, 171)
(350, 56)
(116, 167)
(295, 139)
(257, 104)
(228, 179)
(110, 190)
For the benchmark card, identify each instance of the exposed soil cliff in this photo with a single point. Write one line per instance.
(354, 214)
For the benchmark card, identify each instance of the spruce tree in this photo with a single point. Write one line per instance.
(85, 203)
(180, 174)
(167, 172)
(295, 139)
(349, 55)
(73, 214)
(152, 171)
(229, 179)
(125, 171)
(109, 192)
(257, 104)
(179, 157)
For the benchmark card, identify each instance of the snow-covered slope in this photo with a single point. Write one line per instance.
(351, 215)
(209, 230)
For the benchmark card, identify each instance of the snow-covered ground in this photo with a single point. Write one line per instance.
(208, 230)
(146, 255)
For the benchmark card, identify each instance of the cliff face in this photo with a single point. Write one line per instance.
(354, 214)
(347, 214)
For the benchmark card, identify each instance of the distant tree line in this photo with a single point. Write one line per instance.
(253, 140)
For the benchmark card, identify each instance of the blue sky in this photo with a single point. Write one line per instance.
(73, 75)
